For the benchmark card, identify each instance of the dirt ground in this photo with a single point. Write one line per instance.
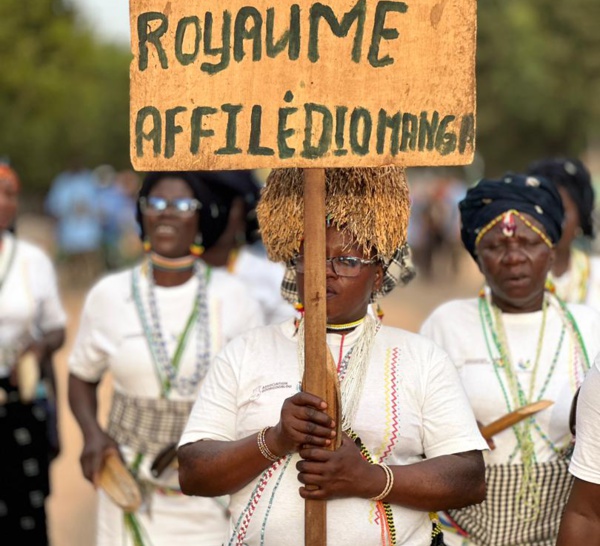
(71, 506)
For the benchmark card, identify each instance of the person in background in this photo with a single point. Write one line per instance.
(155, 328)
(32, 329)
(580, 523)
(516, 343)
(130, 248)
(240, 248)
(73, 202)
(115, 215)
(410, 443)
(575, 274)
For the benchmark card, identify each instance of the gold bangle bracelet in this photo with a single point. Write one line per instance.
(389, 482)
(263, 448)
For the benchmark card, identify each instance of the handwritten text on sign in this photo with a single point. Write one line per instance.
(307, 84)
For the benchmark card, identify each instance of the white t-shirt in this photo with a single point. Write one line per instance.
(456, 326)
(111, 339)
(585, 463)
(263, 278)
(412, 404)
(29, 302)
(111, 336)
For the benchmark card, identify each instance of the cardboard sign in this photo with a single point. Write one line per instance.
(259, 84)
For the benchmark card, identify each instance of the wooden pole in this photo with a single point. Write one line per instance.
(320, 375)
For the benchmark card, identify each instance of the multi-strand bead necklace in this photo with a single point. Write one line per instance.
(167, 369)
(493, 326)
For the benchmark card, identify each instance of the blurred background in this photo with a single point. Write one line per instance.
(64, 92)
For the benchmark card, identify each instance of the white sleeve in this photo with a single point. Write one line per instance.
(214, 413)
(427, 328)
(93, 344)
(449, 425)
(585, 463)
(50, 314)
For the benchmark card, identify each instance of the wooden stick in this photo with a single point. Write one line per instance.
(320, 375)
(513, 418)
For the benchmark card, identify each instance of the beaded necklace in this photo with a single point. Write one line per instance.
(354, 369)
(346, 326)
(167, 369)
(184, 263)
(529, 490)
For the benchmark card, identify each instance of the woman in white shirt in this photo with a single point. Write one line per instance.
(517, 343)
(155, 327)
(410, 443)
(32, 322)
(575, 272)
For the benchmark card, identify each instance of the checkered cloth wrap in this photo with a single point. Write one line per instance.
(496, 520)
(146, 424)
(399, 271)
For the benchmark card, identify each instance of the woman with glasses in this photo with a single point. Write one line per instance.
(32, 329)
(155, 328)
(410, 443)
(516, 344)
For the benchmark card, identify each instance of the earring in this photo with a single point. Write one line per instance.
(379, 312)
(146, 245)
(196, 248)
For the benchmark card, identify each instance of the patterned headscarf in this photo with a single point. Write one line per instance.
(572, 175)
(532, 195)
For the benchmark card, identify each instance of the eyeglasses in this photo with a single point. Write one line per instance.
(343, 266)
(183, 206)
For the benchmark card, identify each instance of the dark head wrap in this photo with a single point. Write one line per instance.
(532, 195)
(214, 211)
(240, 183)
(572, 175)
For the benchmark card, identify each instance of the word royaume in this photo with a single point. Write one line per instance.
(250, 34)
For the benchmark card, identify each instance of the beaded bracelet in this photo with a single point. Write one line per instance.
(389, 482)
(263, 448)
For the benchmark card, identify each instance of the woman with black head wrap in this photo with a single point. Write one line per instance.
(240, 248)
(155, 327)
(575, 274)
(517, 343)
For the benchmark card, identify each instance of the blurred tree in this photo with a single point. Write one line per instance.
(538, 70)
(62, 93)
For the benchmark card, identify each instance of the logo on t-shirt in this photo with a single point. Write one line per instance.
(270, 387)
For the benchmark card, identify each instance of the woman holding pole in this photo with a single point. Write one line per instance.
(516, 344)
(409, 443)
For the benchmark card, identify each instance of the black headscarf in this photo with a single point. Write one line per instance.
(214, 211)
(532, 195)
(572, 175)
(241, 183)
